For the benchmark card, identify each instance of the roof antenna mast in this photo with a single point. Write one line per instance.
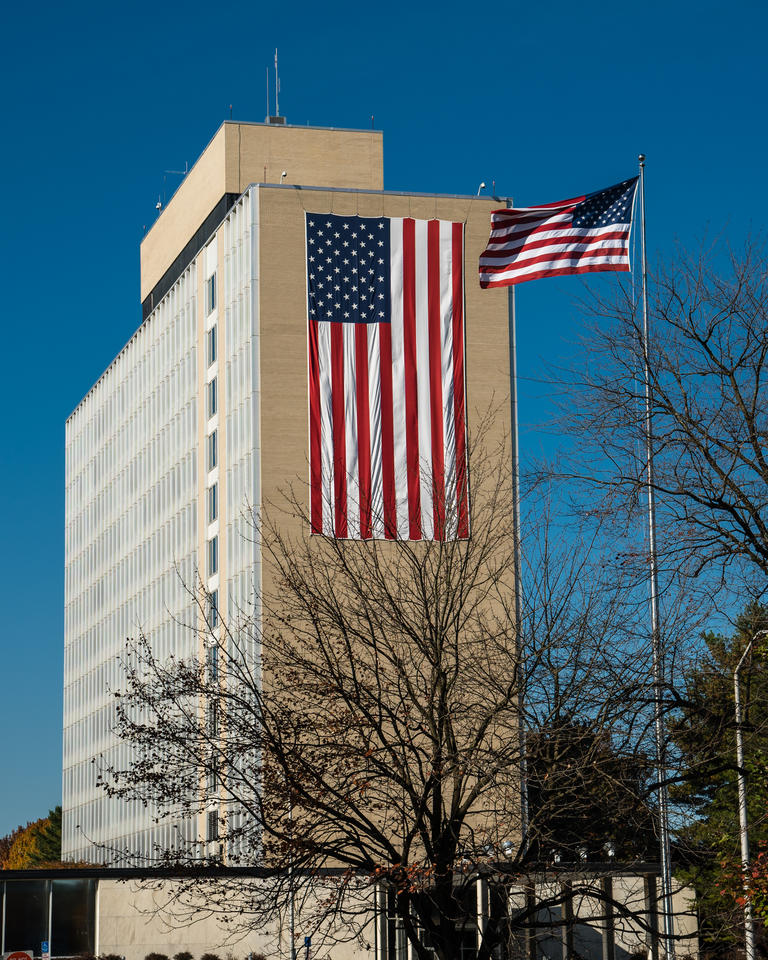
(277, 88)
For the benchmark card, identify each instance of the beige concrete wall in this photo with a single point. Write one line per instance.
(134, 919)
(244, 153)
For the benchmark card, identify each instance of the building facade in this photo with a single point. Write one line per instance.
(203, 417)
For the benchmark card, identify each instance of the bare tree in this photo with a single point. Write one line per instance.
(368, 743)
(709, 381)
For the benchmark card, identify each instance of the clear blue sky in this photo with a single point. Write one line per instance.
(550, 100)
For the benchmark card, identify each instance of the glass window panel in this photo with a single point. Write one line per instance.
(211, 293)
(73, 917)
(26, 914)
(212, 345)
(212, 397)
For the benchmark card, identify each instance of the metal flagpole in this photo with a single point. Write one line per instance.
(517, 552)
(666, 873)
(749, 928)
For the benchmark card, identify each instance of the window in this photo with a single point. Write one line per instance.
(213, 621)
(210, 293)
(212, 345)
(213, 717)
(213, 825)
(212, 397)
(213, 506)
(213, 777)
(211, 449)
(213, 556)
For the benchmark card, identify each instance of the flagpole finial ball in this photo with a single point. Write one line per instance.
(641, 158)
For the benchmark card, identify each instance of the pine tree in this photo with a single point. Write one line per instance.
(704, 733)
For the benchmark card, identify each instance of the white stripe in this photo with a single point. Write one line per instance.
(374, 408)
(446, 364)
(350, 432)
(326, 425)
(421, 274)
(398, 377)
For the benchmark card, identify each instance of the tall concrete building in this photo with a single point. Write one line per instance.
(204, 414)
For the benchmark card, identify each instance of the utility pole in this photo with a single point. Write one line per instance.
(749, 928)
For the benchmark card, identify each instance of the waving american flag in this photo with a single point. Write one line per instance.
(582, 235)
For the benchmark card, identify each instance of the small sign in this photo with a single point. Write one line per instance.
(20, 955)
(45, 950)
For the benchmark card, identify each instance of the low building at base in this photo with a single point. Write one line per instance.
(598, 912)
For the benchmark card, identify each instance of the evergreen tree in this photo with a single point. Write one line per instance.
(704, 733)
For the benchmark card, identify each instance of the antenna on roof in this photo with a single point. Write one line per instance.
(276, 118)
(277, 88)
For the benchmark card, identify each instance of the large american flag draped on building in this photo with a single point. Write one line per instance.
(387, 410)
(581, 235)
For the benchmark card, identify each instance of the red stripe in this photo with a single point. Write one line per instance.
(339, 440)
(363, 428)
(411, 388)
(459, 404)
(508, 249)
(315, 464)
(387, 433)
(435, 378)
(556, 272)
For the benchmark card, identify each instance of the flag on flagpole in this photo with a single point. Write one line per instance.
(387, 419)
(582, 235)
